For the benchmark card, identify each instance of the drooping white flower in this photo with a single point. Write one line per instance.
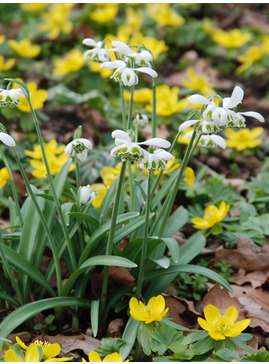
(125, 148)
(156, 160)
(143, 58)
(98, 53)
(86, 196)
(78, 147)
(10, 97)
(212, 141)
(141, 120)
(126, 75)
(223, 115)
(7, 139)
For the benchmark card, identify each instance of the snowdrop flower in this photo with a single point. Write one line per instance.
(156, 160)
(212, 141)
(10, 97)
(127, 75)
(143, 58)
(125, 148)
(79, 148)
(224, 115)
(86, 196)
(141, 120)
(98, 54)
(7, 139)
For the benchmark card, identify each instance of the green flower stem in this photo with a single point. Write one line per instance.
(145, 241)
(44, 224)
(157, 180)
(9, 272)
(167, 206)
(131, 185)
(172, 195)
(13, 188)
(78, 179)
(123, 107)
(109, 246)
(58, 207)
(130, 109)
(154, 116)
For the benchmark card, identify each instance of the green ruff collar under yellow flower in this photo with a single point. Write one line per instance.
(153, 311)
(219, 327)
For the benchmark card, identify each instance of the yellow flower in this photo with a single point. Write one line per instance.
(56, 20)
(208, 26)
(171, 166)
(100, 192)
(219, 327)
(49, 351)
(252, 55)
(140, 96)
(34, 7)
(2, 39)
(109, 174)
(71, 62)
(4, 177)
(94, 357)
(189, 176)
(56, 159)
(104, 13)
(167, 101)
(181, 136)
(265, 44)
(24, 48)
(243, 138)
(153, 311)
(164, 15)
(232, 39)
(212, 216)
(5, 66)
(38, 97)
(134, 19)
(198, 83)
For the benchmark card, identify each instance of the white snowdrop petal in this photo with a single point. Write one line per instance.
(254, 114)
(186, 124)
(89, 42)
(7, 139)
(121, 135)
(219, 141)
(157, 142)
(82, 156)
(148, 71)
(188, 135)
(163, 154)
(198, 99)
(115, 64)
(236, 97)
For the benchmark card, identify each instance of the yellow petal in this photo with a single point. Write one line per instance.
(21, 343)
(94, 357)
(51, 351)
(237, 328)
(231, 313)
(211, 313)
(114, 357)
(32, 353)
(205, 325)
(216, 335)
(11, 356)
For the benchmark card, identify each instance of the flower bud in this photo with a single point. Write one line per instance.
(86, 195)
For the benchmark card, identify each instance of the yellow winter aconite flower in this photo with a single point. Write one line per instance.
(38, 97)
(100, 192)
(5, 66)
(71, 62)
(212, 216)
(56, 159)
(156, 47)
(49, 352)
(198, 83)
(219, 327)
(253, 54)
(153, 311)
(189, 176)
(94, 357)
(104, 13)
(24, 48)
(231, 39)
(133, 19)
(56, 20)
(167, 101)
(243, 138)
(4, 177)
(109, 174)
(33, 7)
(141, 95)
(164, 15)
